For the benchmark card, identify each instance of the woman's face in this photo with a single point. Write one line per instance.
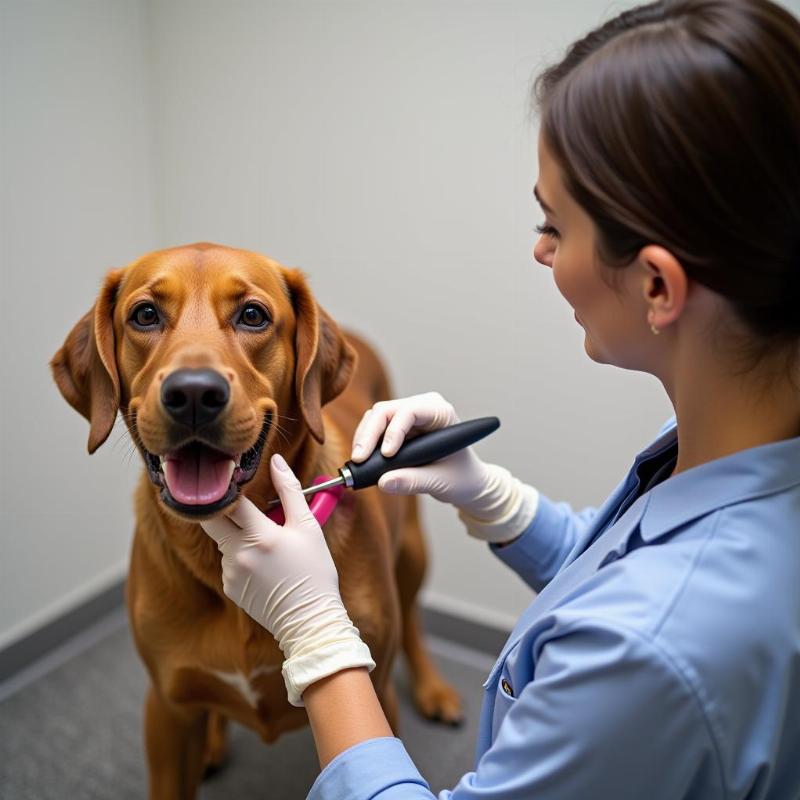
(614, 320)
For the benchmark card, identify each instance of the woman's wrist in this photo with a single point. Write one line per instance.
(344, 710)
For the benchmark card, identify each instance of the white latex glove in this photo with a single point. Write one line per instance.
(285, 579)
(493, 504)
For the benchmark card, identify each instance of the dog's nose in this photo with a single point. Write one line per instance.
(195, 397)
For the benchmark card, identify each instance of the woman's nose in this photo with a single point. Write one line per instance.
(543, 253)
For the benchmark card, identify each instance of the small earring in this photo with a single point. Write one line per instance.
(653, 328)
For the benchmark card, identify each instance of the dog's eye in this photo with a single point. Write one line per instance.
(254, 316)
(145, 316)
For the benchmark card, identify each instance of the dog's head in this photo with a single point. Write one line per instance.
(207, 351)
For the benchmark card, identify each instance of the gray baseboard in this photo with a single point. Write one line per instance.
(476, 635)
(24, 652)
(30, 649)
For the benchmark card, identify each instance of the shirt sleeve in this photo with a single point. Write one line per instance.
(607, 715)
(376, 769)
(539, 551)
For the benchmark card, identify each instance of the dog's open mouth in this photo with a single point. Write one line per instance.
(198, 479)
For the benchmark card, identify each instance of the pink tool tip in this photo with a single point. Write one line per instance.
(322, 503)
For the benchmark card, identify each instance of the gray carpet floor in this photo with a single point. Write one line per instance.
(74, 731)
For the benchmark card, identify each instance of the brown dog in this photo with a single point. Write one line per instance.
(217, 358)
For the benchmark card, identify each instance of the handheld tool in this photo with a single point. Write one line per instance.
(423, 449)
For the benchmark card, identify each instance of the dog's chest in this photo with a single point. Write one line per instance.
(246, 684)
(238, 674)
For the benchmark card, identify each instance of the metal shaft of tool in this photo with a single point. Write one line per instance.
(317, 487)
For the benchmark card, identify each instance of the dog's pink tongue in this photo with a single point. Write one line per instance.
(197, 478)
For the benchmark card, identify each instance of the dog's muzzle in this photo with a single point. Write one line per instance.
(200, 477)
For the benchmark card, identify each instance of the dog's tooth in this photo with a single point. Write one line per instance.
(230, 466)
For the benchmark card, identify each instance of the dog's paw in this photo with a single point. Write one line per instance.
(216, 749)
(439, 702)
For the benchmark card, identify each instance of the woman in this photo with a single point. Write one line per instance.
(661, 658)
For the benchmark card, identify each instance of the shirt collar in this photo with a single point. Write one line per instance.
(750, 473)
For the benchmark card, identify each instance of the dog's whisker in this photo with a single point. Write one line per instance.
(128, 455)
(131, 450)
(280, 432)
(284, 434)
(130, 432)
(120, 438)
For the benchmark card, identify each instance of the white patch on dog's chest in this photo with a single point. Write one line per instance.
(241, 682)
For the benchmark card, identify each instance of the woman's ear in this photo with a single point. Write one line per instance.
(664, 286)
(85, 367)
(325, 361)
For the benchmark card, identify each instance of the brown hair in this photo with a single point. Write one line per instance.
(678, 123)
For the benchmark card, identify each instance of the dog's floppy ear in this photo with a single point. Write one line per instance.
(325, 361)
(85, 367)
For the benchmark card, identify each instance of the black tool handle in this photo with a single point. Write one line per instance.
(423, 449)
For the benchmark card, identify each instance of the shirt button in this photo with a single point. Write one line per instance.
(507, 688)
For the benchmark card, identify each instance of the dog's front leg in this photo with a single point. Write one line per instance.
(174, 741)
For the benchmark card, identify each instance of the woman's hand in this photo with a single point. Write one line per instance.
(285, 579)
(494, 506)
(458, 479)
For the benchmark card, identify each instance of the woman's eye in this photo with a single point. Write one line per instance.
(547, 230)
(254, 316)
(145, 316)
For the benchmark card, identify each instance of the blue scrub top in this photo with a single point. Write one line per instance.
(661, 657)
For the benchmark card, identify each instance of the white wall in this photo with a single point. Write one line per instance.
(76, 195)
(383, 147)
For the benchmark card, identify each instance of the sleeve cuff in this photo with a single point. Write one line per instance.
(518, 517)
(372, 768)
(300, 672)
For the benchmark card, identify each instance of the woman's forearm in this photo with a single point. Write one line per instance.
(344, 710)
